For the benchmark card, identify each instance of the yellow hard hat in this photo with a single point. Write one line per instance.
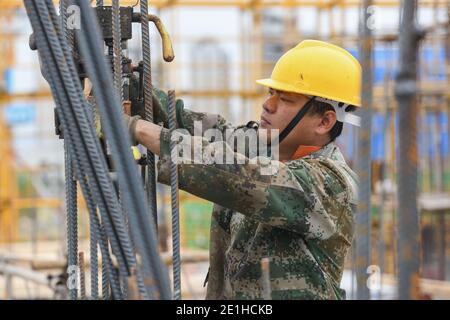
(320, 69)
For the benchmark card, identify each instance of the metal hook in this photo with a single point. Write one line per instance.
(167, 49)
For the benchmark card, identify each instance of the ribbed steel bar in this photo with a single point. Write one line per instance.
(82, 276)
(105, 282)
(117, 47)
(408, 216)
(72, 217)
(175, 204)
(93, 252)
(148, 105)
(363, 165)
(70, 185)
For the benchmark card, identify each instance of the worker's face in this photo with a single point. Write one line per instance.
(281, 107)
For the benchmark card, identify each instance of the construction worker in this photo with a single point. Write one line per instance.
(300, 217)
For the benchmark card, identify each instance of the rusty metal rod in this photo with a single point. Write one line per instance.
(408, 217)
(363, 222)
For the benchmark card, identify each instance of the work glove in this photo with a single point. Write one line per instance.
(161, 107)
(160, 113)
(129, 121)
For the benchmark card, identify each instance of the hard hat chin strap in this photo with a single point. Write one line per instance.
(298, 117)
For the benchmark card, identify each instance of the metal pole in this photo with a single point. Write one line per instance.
(385, 171)
(363, 164)
(447, 75)
(408, 217)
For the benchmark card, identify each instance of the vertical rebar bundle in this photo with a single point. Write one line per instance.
(363, 167)
(408, 217)
(86, 154)
(144, 231)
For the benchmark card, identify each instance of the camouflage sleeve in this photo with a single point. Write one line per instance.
(187, 119)
(288, 199)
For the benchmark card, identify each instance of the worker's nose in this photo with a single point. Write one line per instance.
(271, 104)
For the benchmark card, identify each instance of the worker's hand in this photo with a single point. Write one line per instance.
(130, 121)
(161, 107)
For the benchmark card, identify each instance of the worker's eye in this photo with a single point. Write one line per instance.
(284, 99)
(271, 92)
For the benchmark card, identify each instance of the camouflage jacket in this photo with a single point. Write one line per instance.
(301, 218)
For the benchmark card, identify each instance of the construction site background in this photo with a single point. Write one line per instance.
(221, 47)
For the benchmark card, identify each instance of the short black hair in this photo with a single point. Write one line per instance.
(319, 108)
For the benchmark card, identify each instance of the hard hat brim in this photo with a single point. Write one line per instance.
(281, 86)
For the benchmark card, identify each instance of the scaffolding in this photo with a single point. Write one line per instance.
(266, 29)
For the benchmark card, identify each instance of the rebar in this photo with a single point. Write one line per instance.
(363, 165)
(174, 203)
(70, 184)
(408, 217)
(93, 252)
(117, 47)
(82, 276)
(148, 106)
(72, 217)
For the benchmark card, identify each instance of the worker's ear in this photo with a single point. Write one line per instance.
(326, 122)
